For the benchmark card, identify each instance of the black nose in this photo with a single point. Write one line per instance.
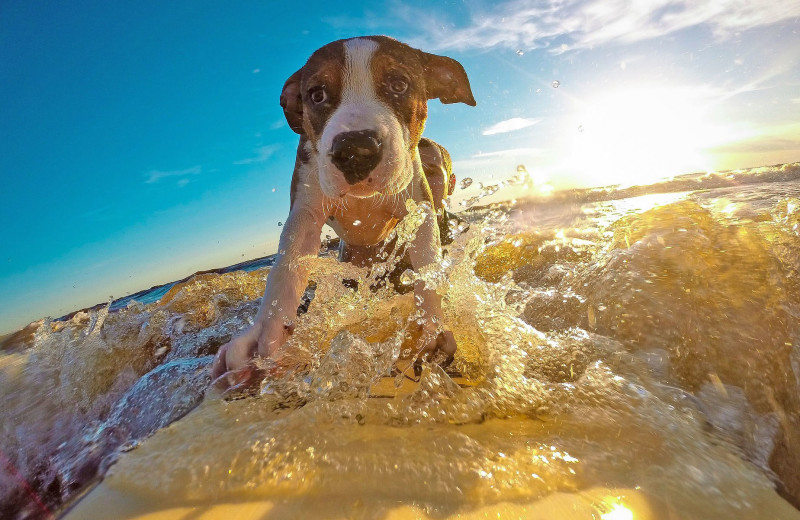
(356, 154)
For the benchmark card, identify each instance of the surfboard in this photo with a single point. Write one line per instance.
(108, 501)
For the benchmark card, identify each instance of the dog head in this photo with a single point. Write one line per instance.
(362, 104)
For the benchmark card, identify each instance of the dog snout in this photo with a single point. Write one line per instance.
(356, 154)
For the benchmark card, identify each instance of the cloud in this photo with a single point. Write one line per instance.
(513, 152)
(758, 145)
(262, 154)
(499, 161)
(510, 125)
(157, 175)
(277, 124)
(582, 24)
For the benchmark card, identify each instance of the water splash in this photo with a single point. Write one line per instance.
(606, 349)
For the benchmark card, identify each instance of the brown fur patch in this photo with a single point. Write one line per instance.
(323, 69)
(397, 62)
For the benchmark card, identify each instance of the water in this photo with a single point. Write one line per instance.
(641, 350)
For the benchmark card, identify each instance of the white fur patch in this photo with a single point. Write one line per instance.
(358, 82)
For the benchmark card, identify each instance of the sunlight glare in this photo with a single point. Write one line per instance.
(641, 135)
(618, 512)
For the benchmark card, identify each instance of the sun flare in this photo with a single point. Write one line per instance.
(618, 512)
(640, 135)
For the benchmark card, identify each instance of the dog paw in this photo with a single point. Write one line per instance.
(437, 345)
(233, 357)
(234, 364)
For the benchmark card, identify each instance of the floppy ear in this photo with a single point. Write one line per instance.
(446, 79)
(292, 102)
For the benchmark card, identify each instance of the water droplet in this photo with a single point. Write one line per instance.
(520, 52)
(407, 278)
(466, 182)
(274, 303)
(274, 190)
(280, 224)
(556, 83)
(580, 128)
(489, 190)
(356, 222)
(538, 91)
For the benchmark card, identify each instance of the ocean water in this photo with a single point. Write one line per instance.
(644, 340)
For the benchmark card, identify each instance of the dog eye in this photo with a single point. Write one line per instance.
(318, 95)
(398, 85)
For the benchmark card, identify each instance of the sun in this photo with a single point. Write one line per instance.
(640, 135)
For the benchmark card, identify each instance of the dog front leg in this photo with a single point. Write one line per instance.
(286, 282)
(437, 342)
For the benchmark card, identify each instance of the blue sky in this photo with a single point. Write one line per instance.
(142, 141)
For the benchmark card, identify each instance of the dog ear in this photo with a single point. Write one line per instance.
(446, 79)
(292, 102)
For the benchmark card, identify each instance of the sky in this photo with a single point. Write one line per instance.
(143, 141)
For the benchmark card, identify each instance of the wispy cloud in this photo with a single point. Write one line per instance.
(759, 144)
(262, 154)
(497, 161)
(581, 24)
(277, 124)
(512, 152)
(510, 125)
(154, 176)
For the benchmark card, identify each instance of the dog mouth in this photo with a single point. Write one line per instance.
(363, 190)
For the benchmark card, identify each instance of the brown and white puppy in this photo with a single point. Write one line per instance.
(359, 106)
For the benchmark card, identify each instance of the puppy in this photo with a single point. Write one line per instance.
(359, 106)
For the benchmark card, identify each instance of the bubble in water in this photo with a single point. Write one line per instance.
(489, 190)
(520, 52)
(466, 182)
(470, 201)
(356, 222)
(407, 278)
(556, 83)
